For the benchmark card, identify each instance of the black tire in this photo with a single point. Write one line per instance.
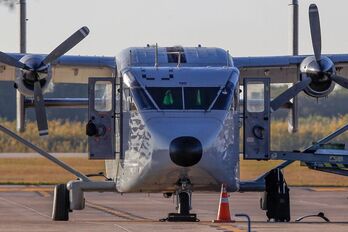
(277, 197)
(263, 201)
(61, 203)
(184, 203)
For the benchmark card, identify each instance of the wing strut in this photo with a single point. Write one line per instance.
(290, 93)
(45, 154)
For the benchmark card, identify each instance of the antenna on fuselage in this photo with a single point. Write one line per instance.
(130, 57)
(227, 58)
(156, 55)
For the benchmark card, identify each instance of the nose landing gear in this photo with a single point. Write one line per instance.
(183, 204)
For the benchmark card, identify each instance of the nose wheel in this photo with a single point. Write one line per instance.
(183, 204)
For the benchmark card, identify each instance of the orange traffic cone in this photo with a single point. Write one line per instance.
(224, 208)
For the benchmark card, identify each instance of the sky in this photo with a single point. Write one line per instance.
(244, 27)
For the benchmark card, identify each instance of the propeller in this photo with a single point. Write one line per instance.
(289, 93)
(325, 65)
(342, 81)
(64, 47)
(40, 111)
(9, 60)
(314, 23)
(33, 72)
(318, 72)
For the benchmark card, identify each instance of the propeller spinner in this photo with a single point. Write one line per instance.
(35, 74)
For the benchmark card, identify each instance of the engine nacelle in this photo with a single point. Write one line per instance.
(321, 85)
(25, 79)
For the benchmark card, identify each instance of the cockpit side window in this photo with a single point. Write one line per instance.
(166, 98)
(142, 101)
(224, 99)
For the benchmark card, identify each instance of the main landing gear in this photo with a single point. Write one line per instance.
(276, 198)
(70, 197)
(183, 204)
(61, 204)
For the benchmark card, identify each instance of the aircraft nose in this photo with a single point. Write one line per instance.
(185, 151)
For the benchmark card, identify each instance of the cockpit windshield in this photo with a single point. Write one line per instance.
(199, 98)
(167, 98)
(191, 98)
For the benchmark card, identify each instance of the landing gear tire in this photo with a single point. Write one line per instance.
(276, 198)
(184, 205)
(61, 206)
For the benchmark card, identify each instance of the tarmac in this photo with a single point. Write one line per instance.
(28, 208)
(35, 155)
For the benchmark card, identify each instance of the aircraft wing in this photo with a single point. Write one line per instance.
(69, 69)
(282, 69)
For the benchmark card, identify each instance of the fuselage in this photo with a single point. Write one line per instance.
(180, 120)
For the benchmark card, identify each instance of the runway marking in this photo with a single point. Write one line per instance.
(329, 189)
(44, 194)
(225, 227)
(26, 189)
(24, 206)
(121, 227)
(41, 191)
(117, 213)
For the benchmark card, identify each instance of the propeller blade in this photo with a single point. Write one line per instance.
(289, 93)
(314, 23)
(64, 47)
(40, 110)
(9, 60)
(342, 81)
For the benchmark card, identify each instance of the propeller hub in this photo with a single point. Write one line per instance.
(35, 71)
(31, 61)
(324, 67)
(320, 72)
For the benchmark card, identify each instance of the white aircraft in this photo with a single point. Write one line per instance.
(168, 119)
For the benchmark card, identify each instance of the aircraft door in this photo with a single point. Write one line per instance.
(101, 118)
(256, 141)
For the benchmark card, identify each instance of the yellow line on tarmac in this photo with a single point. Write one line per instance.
(44, 194)
(26, 189)
(329, 189)
(225, 227)
(231, 228)
(115, 212)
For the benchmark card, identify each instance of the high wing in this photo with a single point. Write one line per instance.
(283, 69)
(68, 69)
